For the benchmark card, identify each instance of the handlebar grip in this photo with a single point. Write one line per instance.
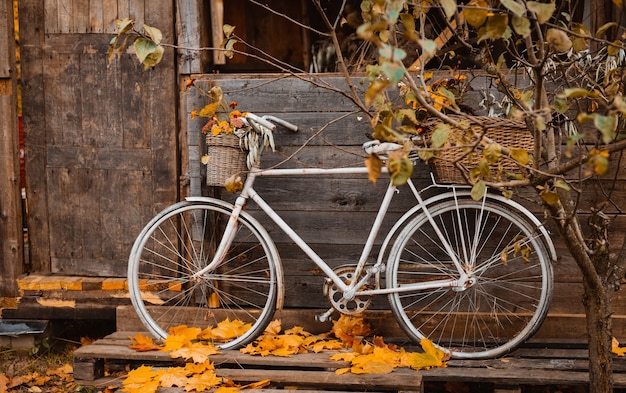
(282, 122)
(259, 120)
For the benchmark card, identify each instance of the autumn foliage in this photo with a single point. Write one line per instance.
(347, 339)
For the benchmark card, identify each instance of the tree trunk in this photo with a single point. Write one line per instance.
(598, 311)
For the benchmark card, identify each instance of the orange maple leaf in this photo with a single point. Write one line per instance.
(141, 380)
(141, 343)
(202, 382)
(174, 376)
(4, 381)
(198, 352)
(616, 349)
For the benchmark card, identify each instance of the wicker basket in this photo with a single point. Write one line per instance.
(506, 132)
(226, 158)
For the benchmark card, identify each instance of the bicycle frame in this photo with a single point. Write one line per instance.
(349, 290)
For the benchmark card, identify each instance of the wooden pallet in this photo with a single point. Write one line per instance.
(537, 364)
(305, 372)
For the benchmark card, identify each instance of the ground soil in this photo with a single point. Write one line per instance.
(44, 367)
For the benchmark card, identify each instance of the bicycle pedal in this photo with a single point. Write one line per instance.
(325, 317)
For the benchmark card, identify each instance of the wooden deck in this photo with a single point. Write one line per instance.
(537, 364)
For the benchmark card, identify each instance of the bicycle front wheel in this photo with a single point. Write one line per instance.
(239, 295)
(509, 278)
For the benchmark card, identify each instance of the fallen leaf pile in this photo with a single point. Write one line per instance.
(346, 338)
(193, 376)
(62, 376)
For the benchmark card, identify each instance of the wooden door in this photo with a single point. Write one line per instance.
(100, 139)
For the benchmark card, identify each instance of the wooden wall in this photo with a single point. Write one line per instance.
(11, 238)
(334, 214)
(100, 139)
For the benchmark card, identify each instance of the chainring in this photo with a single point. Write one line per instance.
(353, 306)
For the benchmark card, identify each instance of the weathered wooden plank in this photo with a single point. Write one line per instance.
(101, 91)
(109, 16)
(80, 16)
(50, 10)
(7, 44)
(137, 10)
(96, 16)
(31, 14)
(63, 100)
(64, 16)
(123, 9)
(11, 236)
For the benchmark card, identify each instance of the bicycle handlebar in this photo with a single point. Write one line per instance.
(268, 121)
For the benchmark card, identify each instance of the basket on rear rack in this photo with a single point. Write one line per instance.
(225, 158)
(509, 133)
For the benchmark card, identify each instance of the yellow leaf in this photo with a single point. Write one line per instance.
(174, 376)
(233, 184)
(202, 382)
(616, 349)
(431, 357)
(374, 166)
(273, 327)
(198, 352)
(141, 343)
(476, 13)
(298, 330)
(198, 368)
(341, 371)
(520, 155)
(558, 40)
(257, 385)
(352, 326)
(141, 380)
(227, 329)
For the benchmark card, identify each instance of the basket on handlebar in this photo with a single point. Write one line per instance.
(226, 158)
(509, 133)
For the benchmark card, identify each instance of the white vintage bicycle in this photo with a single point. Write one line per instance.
(474, 277)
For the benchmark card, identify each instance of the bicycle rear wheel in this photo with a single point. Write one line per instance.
(510, 273)
(179, 242)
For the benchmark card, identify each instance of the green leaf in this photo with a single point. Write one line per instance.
(478, 190)
(578, 92)
(153, 33)
(429, 48)
(143, 47)
(560, 105)
(228, 30)
(392, 53)
(400, 170)
(440, 135)
(394, 71)
(153, 57)
(449, 7)
(560, 183)
(513, 6)
(606, 125)
(521, 25)
(543, 11)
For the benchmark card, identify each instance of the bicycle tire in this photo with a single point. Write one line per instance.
(501, 249)
(181, 240)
